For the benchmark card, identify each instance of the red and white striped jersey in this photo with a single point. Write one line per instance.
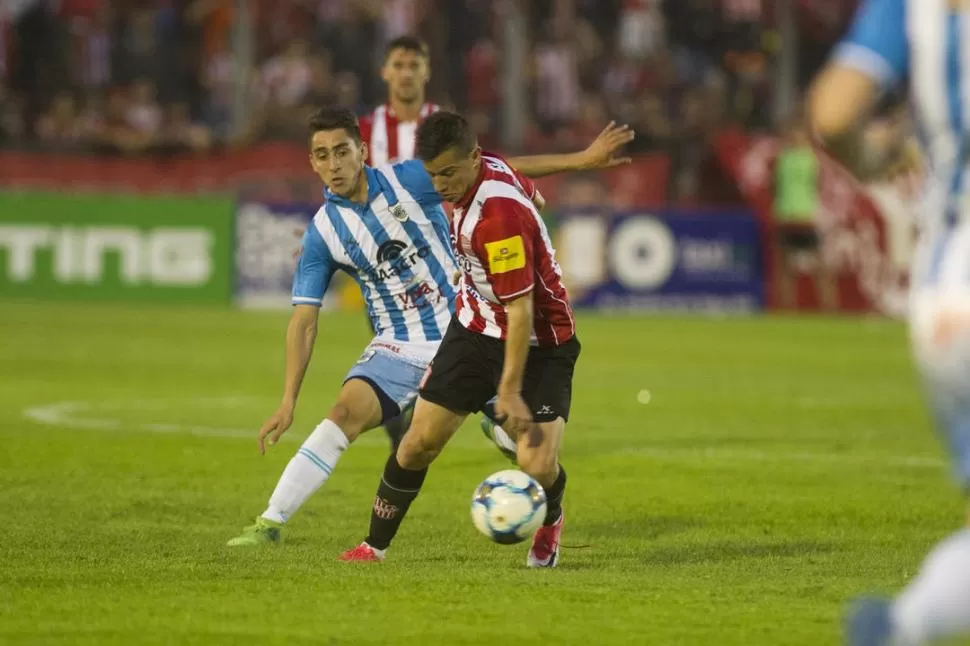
(389, 139)
(504, 252)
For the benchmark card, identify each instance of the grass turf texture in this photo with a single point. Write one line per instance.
(780, 467)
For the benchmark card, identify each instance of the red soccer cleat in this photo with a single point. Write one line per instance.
(363, 553)
(545, 545)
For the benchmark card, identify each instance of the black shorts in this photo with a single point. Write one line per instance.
(798, 239)
(465, 372)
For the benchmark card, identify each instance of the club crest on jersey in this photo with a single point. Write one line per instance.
(505, 255)
(400, 213)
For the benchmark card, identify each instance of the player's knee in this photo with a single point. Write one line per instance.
(940, 333)
(417, 450)
(543, 473)
(342, 415)
(539, 463)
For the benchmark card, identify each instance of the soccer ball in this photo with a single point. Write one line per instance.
(508, 507)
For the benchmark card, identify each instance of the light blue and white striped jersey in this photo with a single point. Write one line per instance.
(396, 247)
(925, 45)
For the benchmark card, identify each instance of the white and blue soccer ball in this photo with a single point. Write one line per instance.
(509, 506)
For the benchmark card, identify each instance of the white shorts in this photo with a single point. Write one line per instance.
(394, 368)
(939, 288)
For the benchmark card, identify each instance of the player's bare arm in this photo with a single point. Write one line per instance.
(838, 103)
(601, 153)
(301, 333)
(510, 403)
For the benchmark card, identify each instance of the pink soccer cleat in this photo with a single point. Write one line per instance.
(545, 545)
(363, 553)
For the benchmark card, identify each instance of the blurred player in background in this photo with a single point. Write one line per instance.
(926, 44)
(513, 334)
(389, 130)
(386, 228)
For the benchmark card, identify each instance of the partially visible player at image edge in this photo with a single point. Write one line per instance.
(924, 44)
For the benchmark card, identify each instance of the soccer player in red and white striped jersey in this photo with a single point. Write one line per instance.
(513, 333)
(389, 130)
(505, 252)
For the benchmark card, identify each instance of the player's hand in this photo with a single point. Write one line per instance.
(602, 152)
(514, 413)
(275, 426)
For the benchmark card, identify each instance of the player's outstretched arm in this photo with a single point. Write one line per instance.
(601, 153)
(871, 58)
(300, 337)
(839, 102)
(510, 404)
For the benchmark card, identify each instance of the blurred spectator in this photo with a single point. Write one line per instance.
(583, 191)
(13, 124)
(93, 45)
(59, 126)
(91, 119)
(556, 78)
(798, 245)
(141, 51)
(346, 91)
(285, 78)
(641, 29)
(144, 114)
(593, 115)
(180, 133)
(655, 131)
(482, 74)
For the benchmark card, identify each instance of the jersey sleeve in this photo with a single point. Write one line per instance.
(416, 180)
(526, 183)
(503, 165)
(314, 269)
(504, 241)
(876, 44)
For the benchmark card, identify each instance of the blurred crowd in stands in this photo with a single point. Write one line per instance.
(156, 76)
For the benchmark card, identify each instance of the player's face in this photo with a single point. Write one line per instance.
(406, 73)
(338, 159)
(453, 172)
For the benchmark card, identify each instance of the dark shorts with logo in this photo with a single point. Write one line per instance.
(465, 373)
(798, 238)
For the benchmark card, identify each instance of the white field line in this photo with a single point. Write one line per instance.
(96, 416)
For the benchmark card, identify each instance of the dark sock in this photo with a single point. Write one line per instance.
(398, 488)
(554, 496)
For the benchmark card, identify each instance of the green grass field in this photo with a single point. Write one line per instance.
(780, 467)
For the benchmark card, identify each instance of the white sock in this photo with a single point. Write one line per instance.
(502, 438)
(307, 471)
(937, 603)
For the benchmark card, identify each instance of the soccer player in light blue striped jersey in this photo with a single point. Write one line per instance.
(922, 46)
(387, 229)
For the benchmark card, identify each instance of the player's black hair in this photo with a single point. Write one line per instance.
(442, 131)
(408, 43)
(335, 118)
